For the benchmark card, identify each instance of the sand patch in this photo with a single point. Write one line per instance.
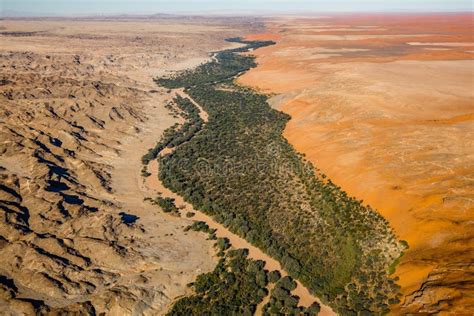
(454, 44)
(318, 37)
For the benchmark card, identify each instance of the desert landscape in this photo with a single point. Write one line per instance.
(310, 164)
(78, 110)
(384, 106)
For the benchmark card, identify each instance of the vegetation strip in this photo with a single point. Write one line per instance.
(237, 285)
(239, 169)
(207, 224)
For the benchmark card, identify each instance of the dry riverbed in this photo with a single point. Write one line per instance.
(153, 182)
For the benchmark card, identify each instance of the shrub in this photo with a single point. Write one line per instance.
(274, 276)
(167, 204)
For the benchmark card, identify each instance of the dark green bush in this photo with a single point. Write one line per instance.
(167, 204)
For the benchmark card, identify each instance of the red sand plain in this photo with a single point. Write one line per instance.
(384, 105)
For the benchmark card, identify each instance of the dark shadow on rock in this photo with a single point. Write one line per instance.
(128, 219)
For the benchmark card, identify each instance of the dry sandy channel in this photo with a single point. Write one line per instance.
(153, 182)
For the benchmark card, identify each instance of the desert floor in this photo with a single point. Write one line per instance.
(384, 105)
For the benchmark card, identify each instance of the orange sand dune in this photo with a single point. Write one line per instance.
(391, 123)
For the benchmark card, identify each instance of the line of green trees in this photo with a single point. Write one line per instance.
(227, 65)
(258, 186)
(237, 285)
(176, 134)
(282, 302)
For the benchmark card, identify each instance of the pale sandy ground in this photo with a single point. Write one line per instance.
(202, 114)
(153, 183)
(392, 124)
(180, 256)
(452, 44)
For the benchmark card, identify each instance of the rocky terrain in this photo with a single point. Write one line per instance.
(78, 109)
(383, 105)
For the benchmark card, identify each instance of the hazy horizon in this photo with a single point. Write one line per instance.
(109, 7)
